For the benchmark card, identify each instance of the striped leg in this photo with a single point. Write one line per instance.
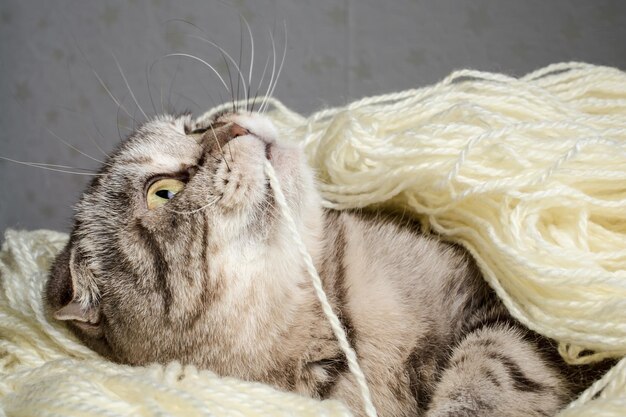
(495, 371)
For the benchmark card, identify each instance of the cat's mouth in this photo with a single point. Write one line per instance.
(237, 131)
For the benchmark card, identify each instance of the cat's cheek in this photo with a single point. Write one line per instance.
(287, 161)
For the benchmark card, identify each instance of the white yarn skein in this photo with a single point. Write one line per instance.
(338, 329)
(528, 174)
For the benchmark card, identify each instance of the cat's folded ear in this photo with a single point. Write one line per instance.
(70, 291)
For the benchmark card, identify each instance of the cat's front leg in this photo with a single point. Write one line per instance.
(494, 371)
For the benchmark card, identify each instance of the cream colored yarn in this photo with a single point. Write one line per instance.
(529, 174)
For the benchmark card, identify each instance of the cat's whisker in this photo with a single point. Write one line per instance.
(230, 151)
(73, 147)
(251, 60)
(206, 90)
(204, 207)
(203, 62)
(119, 105)
(240, 56)
(49, 167)
(269, 85)
(270, 92)
(59, 166)
(169, 90)
(66, 143)
(267, 61)
(95, 142)
(220, 147)
(225, 61)
(100, 80)
(119, 67)
(117, 124)
(93, 120)
(241, 78)
(282, 61)
(230, 80)
(148, 76)
(185, 97)
(134, 123)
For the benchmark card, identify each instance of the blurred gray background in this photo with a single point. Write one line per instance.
(337, 51)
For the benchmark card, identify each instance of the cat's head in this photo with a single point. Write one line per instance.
(179, 251)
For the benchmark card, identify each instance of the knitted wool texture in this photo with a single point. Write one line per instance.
(528, 174)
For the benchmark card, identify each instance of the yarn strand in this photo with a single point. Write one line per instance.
(338, 329)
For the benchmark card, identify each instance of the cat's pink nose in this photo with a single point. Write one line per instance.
(222, 133)
(236, 130)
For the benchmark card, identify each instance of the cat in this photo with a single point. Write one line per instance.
(178, 252)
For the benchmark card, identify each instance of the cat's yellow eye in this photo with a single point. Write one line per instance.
(162, 191)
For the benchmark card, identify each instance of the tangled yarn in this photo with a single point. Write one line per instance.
(528, 174)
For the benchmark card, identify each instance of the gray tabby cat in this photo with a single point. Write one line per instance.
(178, 252)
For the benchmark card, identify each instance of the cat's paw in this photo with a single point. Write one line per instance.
(461, 404)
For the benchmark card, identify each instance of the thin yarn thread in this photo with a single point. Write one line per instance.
(335, 324)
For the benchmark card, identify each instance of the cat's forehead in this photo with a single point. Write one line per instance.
(162, 144)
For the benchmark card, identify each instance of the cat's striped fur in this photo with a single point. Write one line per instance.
(222, 287)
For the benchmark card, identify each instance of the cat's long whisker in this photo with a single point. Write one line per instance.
(119, 67)
(229, 57)
(148, 75)
(273, 72)
(130, 129)
(230, 151)
(66, 143)
(106, 155)
(270, 92)
(256, 95)
(48, 168)
(100, 80)
(206, 90)
(251, 59)
(93, 120)
(282, 62)
(230, 80)
(73, 147)
(205, 63)
(204, 207)
(59, 166)
(220, 147)
(185, 97)
(117, 124)
(225, 61)
(93, 140)
(169, 90)
(240, 56)
(111, 94)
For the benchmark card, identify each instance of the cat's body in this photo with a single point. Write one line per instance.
(210, 277)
